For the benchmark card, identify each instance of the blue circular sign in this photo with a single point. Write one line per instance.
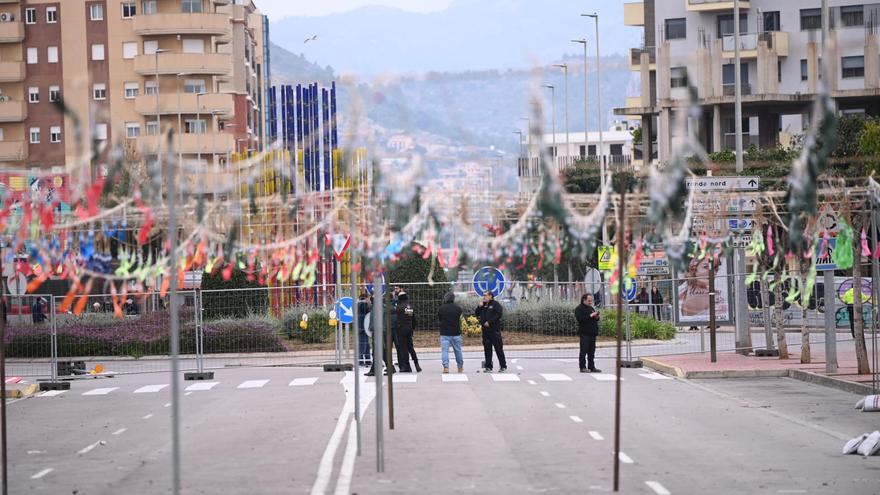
(489, 280)
(345, 310)
(629, 288)
(384, 285)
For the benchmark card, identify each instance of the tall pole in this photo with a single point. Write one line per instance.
(175, 333)
(564, 68)
(179, 122)
(742, 327)
(378, 361)
(586, 97)
(3, 380)
(198, 135)
(712, 348)
(600, 120)
(520, 134)
(355, 324)
(158, 121)
(553, 119)
(622, 256)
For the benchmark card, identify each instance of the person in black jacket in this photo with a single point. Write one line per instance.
(490, 313)
(363, 308)
(449, 315)
(656, 302)
(404, 313)
(588, 329)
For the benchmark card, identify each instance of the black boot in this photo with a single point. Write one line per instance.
(418, 368)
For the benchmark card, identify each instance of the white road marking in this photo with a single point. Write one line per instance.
(556, 377)
(514, 361)
(654, 376)
(101, 391)
(303, 382)
(188, 393)
(519, 367)
(454, 378)
(545, 393)
(42, 473)
(658, 488)
(88, 448)
(346, 470)
(505, 378)
(148, 416)
(560, 405)
(792, 491)
(405, 378)
(167, 404)
(532, 382)
(566, 360)
(605, 377)
(625, 458)
(253, 384)
(150, 389)
(576, 419)
(36, 452)
(119, 431)
(201, 386)
(596, 435)
(51, 393)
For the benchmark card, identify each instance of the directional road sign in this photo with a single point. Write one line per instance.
(724, 183)
(629, 289)
(345, 310)
(384, 285)
(489, 279)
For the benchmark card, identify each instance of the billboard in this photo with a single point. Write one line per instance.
(692, 293)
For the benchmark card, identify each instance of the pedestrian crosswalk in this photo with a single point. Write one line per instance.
(399, 378)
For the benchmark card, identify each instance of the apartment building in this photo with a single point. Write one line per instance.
(692, 41)
(127, 69)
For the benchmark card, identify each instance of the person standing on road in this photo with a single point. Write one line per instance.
(588, 329)
(656, 302)
(37, 314)
(404, 313)
(490, 313)
(364, 355)
(642, 298)
(449, 315)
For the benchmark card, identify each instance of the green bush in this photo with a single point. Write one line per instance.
(219, 301)
(641, 326)
(411, 274)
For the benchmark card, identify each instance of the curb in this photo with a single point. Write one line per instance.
(18, 393)
(827, 381)
(664, 368)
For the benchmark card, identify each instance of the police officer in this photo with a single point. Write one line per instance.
(490, 313)
(404, 313)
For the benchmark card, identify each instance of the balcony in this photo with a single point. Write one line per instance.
(192, 144)
(635, 57)
(748, 44)
(11, 71)
(180, 63)
(13, 151)
(13, 111)
(730, 89)
(11, 32)
(9, 1)
(181, 23)
(713, 5)
(634, 14)
(221, 103)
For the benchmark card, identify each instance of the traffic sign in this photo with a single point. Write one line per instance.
(724, 183)
(593, 281)
(340, 244)
(345, 310)
(653, 263)
(629, 289)
(730, 205)
(607, 258)
(489, 280)
(824, 262)
(384, 285)
(829, 220)
(17, 284)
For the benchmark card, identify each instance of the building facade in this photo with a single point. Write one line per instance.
(126, 70)
(692, 42)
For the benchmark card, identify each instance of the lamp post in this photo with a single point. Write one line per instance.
(520, 133)
(552, 89)
(601, 153)
(200, 128)
(583, 41)
(158, 121)
(180, 120)
(564, 68)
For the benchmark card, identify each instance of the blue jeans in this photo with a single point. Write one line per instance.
(455, 342)
(363, 347)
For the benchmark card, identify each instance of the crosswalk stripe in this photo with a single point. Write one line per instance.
(253, 384)
(42, 473)
(150, 389)
(405, 378)
(505, 378)
(596, 436)
(654, 376)
(605, 377)
(51, 393)
(556, 377)
(658, 488)
(101, 391)
(625, 458)
(201, 386)
(576, 419)
(454, 378)
(303, 382)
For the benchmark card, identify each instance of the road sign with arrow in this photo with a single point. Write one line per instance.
(345, 310)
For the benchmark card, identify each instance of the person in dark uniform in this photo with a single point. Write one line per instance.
(588, 329)
(404, 313)
(363, 309)
(489, 314)
(37, 314)
(386, 358)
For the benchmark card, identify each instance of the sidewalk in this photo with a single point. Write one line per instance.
(733, 365)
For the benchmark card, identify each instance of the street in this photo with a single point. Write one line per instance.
(541, 427)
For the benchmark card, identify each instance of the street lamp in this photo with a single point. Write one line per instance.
(158, 116)
(583, 41)
(552, 89)
(601, 153)
(179, 119)
(564, 68)
(200, 128)
(520, 133)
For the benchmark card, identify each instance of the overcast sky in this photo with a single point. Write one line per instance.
(277, 9)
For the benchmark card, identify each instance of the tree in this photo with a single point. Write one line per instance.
(237, 297)
(423, 280)
(859, 221)
(774, 263)
(869, 146)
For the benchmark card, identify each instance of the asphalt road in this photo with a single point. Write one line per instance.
(545, 429)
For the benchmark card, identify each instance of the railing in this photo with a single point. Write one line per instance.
(747, 42)
(635, 55)
(730, 89)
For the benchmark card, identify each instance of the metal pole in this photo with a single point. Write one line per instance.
(628, 335)
(601, 119)
(553, 123)
(378, 361)
(737, 103)
(3, 380)
(355, 325)
(621, 248)
(830, 324)
(175, 330)
(338, 324)
(875, 296)
(54, 360)
(388, 342)
(158, 121)
(712, 347)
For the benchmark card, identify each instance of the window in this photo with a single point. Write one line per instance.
(33, 94)
(52, 54)
(591, 150)
(772, 22)
(129, 49)
(30, 16)
(97, 52)
(676, 29)
(2, 137)
(725, 24)
(148, 7)
(35, 135)
(804, 75)
(99, 91)
(55, 134)
(150, 88)
(132, 130)
(54, 93)
(33, 56)
(616, 149)
(131, 90)
(778, 70)
(582, 150)
(101, 132)
(678, 77)
(852, 66)
(51, 15)
(194, 86)
(129, 10)
(152, 128)
(150, 47)
(191, 6)
(96, 12)
(811, 19)
(193, 45)
(852, 15)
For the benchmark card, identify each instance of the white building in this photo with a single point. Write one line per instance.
(692, 41)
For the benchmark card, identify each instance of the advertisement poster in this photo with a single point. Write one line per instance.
(692, 293)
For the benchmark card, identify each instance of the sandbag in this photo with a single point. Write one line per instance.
(852, 446)
(870, 445)
(871, 404)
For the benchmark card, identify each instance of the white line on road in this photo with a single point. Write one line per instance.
(36, 452)
(150, 389)
(505, 378)
(167, 404)
(605, 377)
(654, 376)
(514, 361)
(532, 382)
(576, 419)
(51, 393)
(101, 391)
(253, 384)
(454, 378)
(42, 473)
(119, 431)
(188, 393)
(792, 491)
(560, 405)
(88, 448)
(596, 436)
(325, 468)
(346, 470)
(545, 393)
(657, 487)
(148, 416)
(201, 386)
(625, 458)
(519, 367)
(405, 378)
(303, 382)
(556, 377)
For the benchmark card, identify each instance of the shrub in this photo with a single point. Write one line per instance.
(254, 334)
(470, 326)
(219, 301)
(641, 326)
